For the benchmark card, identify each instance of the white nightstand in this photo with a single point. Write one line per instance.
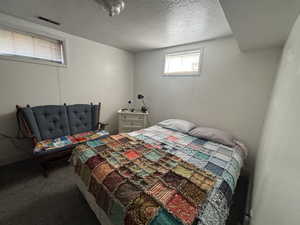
(131, 121)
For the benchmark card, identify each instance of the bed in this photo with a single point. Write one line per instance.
(158, 176)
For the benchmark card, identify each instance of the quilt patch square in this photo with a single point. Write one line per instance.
(215, 169)
(139, 181)
(85, 175)
(142, 210)
(183, 171)
(112, 161)
(85, 155)
(150, 180)
(164, 218)
(181, 208)
(101, 171)
(183, 155)
(131, 154)
(195, 147)
(126, 172)
(94, 187)
(238, 158)
(94, 161)
(161, 192)
(201, 155)
(232, 170)
(153, 156)
(210, 216)
(204, 182)
(101, 148)
(211, 146)
(106, 140)
(127, 192)
(218, 162)
(112, 181)
(161, 169)
(116, 213)
(173, 179)
(189, 151)
(222, 157)
(199, 163)
(134, 168)
(219, 201)
(172, 138)
(103, 200)
(95, 143)
(226, 190)
(229, 179)
(124, 140)
(225, 151)
(81, 148)
(117, 137)
(193, 193)
(143, 173)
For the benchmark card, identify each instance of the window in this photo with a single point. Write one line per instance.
(183, 63)
(20, 45)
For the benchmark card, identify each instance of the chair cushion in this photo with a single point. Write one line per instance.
(52, 121)
(30, 120)
(66, 142)
(80, 118)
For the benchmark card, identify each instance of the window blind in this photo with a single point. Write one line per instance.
(183, 63)
(26, 45)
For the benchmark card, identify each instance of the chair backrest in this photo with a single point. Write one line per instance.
(52, 121)
(82, 118)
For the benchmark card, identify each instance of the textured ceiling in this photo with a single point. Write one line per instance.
(144, 24)
(261, 23)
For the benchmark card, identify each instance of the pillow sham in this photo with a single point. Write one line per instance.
(214, 135)
(178, 125)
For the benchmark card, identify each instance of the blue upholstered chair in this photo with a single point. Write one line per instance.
(55, 129)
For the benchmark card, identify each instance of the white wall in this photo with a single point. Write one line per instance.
(95, 73)
(232, 92)
(276, 187)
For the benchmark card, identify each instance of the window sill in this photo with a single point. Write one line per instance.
(181, 74)
(31, 60)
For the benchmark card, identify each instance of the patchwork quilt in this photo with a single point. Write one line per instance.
(158, 176)
(67, 141)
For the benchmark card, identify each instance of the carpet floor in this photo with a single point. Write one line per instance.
(27, 198)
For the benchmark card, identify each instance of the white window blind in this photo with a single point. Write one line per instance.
(183, 63)
(30, 46)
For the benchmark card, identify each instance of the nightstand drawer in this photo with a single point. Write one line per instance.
(126, 129)
(132, 123)
(132, 117)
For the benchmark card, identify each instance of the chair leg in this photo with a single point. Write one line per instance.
(45, 171)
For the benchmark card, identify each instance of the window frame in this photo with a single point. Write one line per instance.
(38, 34)
(183, 52)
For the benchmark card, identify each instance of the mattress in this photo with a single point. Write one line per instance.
(158, 176)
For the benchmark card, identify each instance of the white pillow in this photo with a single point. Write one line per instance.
(214, 135)
(178, 125)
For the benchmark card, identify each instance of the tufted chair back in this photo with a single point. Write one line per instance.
(80, 118)
(52, 121)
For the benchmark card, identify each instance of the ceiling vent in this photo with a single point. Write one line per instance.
(48, 20)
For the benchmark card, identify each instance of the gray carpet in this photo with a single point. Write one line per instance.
(27, 198)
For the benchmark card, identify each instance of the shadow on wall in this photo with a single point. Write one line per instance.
(12, 149)
(112, 120)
